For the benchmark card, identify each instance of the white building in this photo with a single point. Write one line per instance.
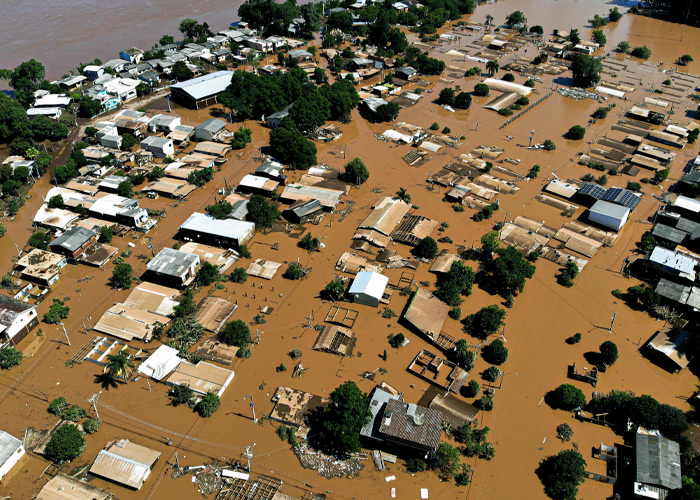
(17, 318)
(174, 266)
(609, 214)
(161, 147)
(368, 288)
(11, 450)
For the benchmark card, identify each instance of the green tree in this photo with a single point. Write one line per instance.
(235, 333)
(58, 406)
(496, 352)
(492, 67)
(574, 36)
(516, 17)
(66, 172)
(310, 111)
(458, 281)
(239, 275)
(340, 20)
(642, 52)
(549, 145)
(40, 240)
(293, 272)
(427, 248)
(241, 138)
(119, 366)
(309, 243)
(66, 443)
(567, 274)
(462, 355)
(181, 394)
(290, 146)
(155, 174)
(334, 290)
(208, 405)
(92, 425)
(576, 133)
(262, 213)
(9, 357)
(128, 142)
(125, 188)
(481, 90)
(492, 373)
(445, 460)
(564, 432)
(336, 428)
(220, 210)
(490, 243)
(608, 353)
(447, 97)
(56, 201)
(386, 113)
(614, 15)
(684, 60)
(356, 171)
(487, 321)
(403, 195)
(586, 70)
(166, 40)
(561, 474)
(623, 47)
(537, 29)
(568, 397)
(509, 271)
(599, 37)
(121, 276)
(207, 274)
(472, 389)
(463, 100)
(181, 72)
(57, 312)
(187, 306)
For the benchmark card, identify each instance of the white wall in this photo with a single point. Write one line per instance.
(7, 466)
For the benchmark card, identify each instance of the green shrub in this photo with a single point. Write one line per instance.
(74, 413)
(58, 406)
(92, 425)
(66, 443)
(10, 357)
(208, 405)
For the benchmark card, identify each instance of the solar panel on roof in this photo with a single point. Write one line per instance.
(593, 190)
(621, 197)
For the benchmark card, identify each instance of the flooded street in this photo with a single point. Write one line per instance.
(522, 425)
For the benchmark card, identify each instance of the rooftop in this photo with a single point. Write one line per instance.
(229, 228)
(205, 85)
(658, 461)
(8, 446)
(202, 378)
(73, 239)
(412, 423)
(377, 403)
(369, 283)
(173, 262)
(125, 463)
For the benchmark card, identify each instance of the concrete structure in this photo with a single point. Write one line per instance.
(164, 123)
(228, 233)
(174, 267)
(41, 266)
(11, 450)
(676, 264)
(202, 91)
(73, 242)
(368, 288)
(608, 214)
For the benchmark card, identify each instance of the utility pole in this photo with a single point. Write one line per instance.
(613, 322)
(532, 134)
(249, 453)
(93, 400)
(252, 405)
(65, 331)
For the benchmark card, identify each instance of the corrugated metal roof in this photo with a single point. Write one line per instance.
(206, 85)
(228, 228)
(376, 405)
(173, 262)
(412, 423)
(73, 238)
(669, 233)
(8, 446)
(658, 461)
(610, 209)
(125, 463)
(369, 283)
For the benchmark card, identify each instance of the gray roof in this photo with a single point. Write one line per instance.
(373, 103)
(270, 167)
(610, 209)
(172, 262)
(669, 233)
(156, 141)
(377, 403)
(658, 461)
(73, 238)
(673, 291)
(691, 177)
(593, 190)
(132, 113)
(163, 120)
(299, 53)
(622, 197)
(206, 85)
(687, 225)
(10, 308)
(280, 114)
(240, 210)
(308, 207)
(212, 125)
(412, 423)
(406, 70)
(8, 446)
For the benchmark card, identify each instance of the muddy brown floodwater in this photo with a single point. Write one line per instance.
(522, 425)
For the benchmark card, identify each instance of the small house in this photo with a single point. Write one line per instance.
(93, 72)
(161, 147)
(11, 450)
(410, 427)
(300, 55)
(164, 123)
(304, 211)
(658, 466)
(173, 267)
(73, 242)
(275, 119)
(125, 463)
(674, 263)
(202, 377)
(227, 233)
(405, 73)
(42, 267)
(132, 55)
(368, 288)
(209, 130)
(17, 319)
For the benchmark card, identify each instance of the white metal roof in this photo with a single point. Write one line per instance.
(668, 258)
(610, 209)
(229, 228)
(687, 203)
(161, 363)
(369, 283)
(253, 181)
(8, 446)
(206, 85)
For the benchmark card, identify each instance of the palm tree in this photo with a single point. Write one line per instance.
(489, 20)
(119, 365)
(492, 67)
(403, 195)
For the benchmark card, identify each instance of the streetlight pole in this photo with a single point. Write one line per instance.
(503, 375)
(252, 405)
